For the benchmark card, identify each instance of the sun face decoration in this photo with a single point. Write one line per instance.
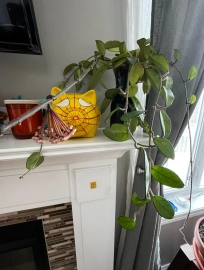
(79, 110)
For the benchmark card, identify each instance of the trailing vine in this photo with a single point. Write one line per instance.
(149, 68)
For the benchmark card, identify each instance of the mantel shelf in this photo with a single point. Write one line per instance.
(11, 148)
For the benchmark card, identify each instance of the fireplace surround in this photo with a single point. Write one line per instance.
(79, 174)
(58, 233)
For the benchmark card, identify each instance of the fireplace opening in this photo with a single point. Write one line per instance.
(23, 247)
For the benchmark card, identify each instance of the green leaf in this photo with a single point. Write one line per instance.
(167, 95)
(153, 49)
(164, 146)
(117, 132)
(95, 79)
(126, 117)
(101, 47)
(115, 59)
(192, 73)
(177, 54)
(102, 84)
(114, 49)
(159, 61)
(62, 84)
(165, 123)
(148, 41)
(141, 42)
(133, 124)
(122, 47)
(153, 78)
(133, 89)
(106, 102)
(163, 207)
(147, 172)
(192, 99)
(34, 160)
(81, 63)
(133, 52)
(68, 68)
(137, 106)
(132, 60)
(119, 62)
(96, 53)
(112, 44)
(111, 113)
(78, 86)
(136, 72)
(78, 72)
(144, 50)
(102, 63)
(112, 93)
(87, 64)
(166, 177)
(146, 87)
(139, 201)
(168, 82)
(144, 124)
(126, 223)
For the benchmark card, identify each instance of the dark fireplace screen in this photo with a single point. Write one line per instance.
(23, 247)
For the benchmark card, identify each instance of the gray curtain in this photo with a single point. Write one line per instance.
(175, 25)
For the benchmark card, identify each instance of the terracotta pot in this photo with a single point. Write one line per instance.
(198, 244)
(29, 126)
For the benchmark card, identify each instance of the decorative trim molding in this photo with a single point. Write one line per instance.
(11, 148)
(182, 216)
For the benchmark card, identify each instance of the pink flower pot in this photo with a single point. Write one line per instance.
(198, 244)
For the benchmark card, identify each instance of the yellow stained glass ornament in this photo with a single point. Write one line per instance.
(79, 110)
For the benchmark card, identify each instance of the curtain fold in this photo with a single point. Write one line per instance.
(175, 25)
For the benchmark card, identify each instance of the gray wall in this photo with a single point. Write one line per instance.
(68, 30)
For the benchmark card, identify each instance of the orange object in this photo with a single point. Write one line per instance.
(29, 126)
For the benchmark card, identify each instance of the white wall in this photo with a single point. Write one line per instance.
(68, 30)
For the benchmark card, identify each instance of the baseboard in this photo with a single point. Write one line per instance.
(164, 267)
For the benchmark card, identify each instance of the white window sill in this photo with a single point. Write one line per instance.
(197, 209)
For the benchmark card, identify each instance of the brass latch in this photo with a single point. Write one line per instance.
(93, 185)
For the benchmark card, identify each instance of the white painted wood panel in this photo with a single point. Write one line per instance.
(94, 221)
(100, 175)
(34, 190)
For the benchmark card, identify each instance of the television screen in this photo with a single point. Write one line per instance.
(18, 28)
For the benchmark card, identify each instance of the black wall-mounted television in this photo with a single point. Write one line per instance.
(18, 28)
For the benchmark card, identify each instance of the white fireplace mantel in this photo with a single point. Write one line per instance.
(70, 171)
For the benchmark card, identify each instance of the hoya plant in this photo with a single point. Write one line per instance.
(150, 69)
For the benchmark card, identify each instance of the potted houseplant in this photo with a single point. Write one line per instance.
(140, 66)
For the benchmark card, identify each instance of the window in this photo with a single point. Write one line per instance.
(180, 164)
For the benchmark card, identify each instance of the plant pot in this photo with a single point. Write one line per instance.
(121, 77)
(198, 244)
(29, 126)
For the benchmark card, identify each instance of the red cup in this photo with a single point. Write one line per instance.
(29, 126)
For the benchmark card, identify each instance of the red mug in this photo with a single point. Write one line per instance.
(29, 126)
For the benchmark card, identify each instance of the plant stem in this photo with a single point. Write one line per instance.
(191, 149)
(137, 213)
(153, 115)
